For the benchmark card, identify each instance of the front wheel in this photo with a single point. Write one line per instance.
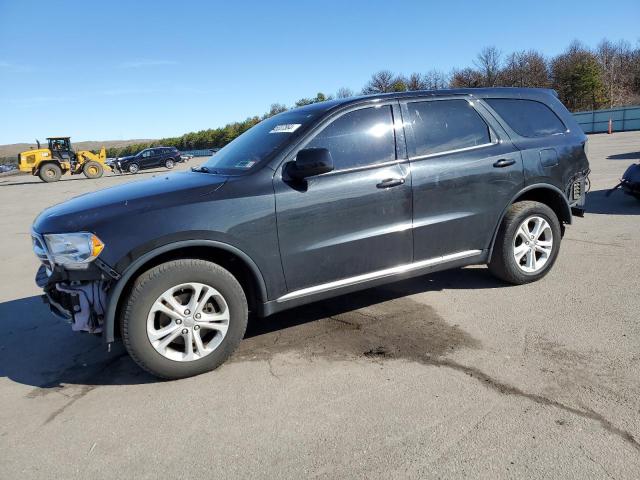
(133, 168)
(527, 244)
(184, 318)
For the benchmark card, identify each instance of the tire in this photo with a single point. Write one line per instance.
(172, 361)
(50, 172)
(538, 257)
(133, 168)
(92, 169)
(169, 163)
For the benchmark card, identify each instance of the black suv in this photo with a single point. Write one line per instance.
(149, 158)
(312, 203)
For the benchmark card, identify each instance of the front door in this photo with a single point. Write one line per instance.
(148, 159)
(465, 171)
(356, 219)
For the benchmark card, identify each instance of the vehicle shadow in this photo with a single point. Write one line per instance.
(625, 156)
(39, 350)
(457, 279)
(618, 203)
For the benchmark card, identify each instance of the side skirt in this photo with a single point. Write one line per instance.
(373, 279)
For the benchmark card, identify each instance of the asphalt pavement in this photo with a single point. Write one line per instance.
(450, 375)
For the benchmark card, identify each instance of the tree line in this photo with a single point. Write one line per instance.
(585, 79)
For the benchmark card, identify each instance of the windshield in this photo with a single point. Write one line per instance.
(259, 142)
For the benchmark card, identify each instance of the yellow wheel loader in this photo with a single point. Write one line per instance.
(53, 162)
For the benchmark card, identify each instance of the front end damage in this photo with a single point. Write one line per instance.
(77, 296)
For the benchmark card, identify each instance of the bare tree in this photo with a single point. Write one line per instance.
(488, 63)
(436, 80)
(616, 61)
(380, 82)
(344, 92)
(524, 69)
(417, 81)
(466, 78)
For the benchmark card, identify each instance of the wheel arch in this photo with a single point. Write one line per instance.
(550, 195)
(239, 264)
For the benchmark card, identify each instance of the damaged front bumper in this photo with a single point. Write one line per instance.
(79, 298)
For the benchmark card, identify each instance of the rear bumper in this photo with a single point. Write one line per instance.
(577, 193)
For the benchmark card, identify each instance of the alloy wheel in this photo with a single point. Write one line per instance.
(533, 244)
(188, 322)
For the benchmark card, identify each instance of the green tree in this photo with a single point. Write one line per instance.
(577, 77)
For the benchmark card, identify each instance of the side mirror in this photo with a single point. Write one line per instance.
(310, 162)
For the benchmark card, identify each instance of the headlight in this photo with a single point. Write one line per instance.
(73, 250)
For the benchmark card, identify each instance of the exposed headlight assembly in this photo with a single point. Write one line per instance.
(73, 250)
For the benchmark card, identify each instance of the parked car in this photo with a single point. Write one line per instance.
(313, 203)
(149, 158)
(186, 157)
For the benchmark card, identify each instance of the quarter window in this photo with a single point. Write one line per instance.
(527, 117)
(445, 125)
(359, 138)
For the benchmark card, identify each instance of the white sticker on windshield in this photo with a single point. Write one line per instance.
(245, 164)
(286, 128)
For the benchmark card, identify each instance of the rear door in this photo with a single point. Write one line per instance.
(356, 219)
(465, 170)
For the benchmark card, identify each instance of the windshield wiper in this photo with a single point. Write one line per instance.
(203, 170)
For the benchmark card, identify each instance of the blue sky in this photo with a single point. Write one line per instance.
(148, 69)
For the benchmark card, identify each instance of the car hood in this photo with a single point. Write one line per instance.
(86, 212)
(125, 159)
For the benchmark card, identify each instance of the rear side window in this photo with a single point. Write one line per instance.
(444, 125)
(359, 138)
(527, 117)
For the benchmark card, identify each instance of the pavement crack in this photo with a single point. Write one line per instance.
(507, 389)
(271, 370)
(591, 242)
(353, 325)
(73, 399)
(584, 452)
(57, 386)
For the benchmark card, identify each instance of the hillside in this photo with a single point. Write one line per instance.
(12, 150)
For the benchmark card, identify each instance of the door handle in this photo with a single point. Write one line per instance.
(390, 182)
(504, 162)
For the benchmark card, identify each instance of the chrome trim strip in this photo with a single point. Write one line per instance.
(324, 287)
(370, 166)
(446, 152)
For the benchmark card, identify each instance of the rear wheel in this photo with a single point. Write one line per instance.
(133, 168)
(184, 318)
(92, 169)
(50, 172)
(527, 244)
(169, 163)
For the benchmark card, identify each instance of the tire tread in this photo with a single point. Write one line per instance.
(501, 264)
(138, 291)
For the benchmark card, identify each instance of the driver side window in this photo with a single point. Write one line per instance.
(359, 138)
